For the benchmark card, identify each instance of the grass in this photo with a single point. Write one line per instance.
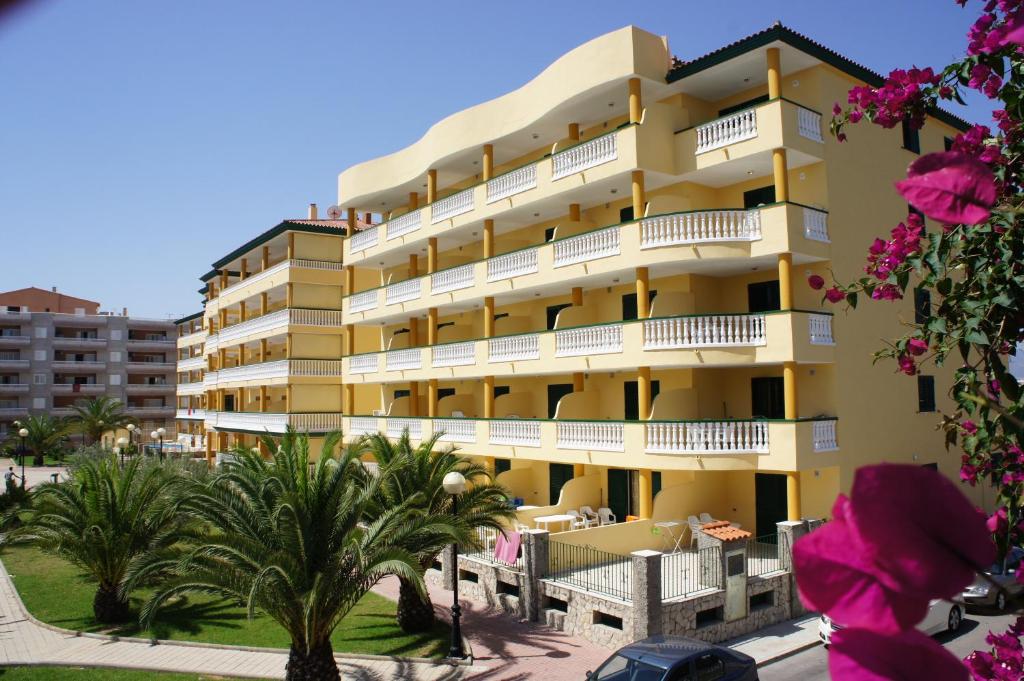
(57, 593)
(78, 674)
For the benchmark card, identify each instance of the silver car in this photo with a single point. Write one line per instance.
(942, 616)
(1000, 586)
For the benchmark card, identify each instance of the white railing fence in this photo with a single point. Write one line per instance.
(816, 224)
(808, 124)
(708, 437)
(583, 156)
(450, 206)
(452, 279)
(362, 240)
(513, 348)
(710, 331)
(363, 364)
(704, 226)
(512, 183)
(397, 426)
(515, 432)
(591, 246)
(737, 127)
(455, 430)
(592, 435)
(403, 224)
(824, 434)
(400, 360)
(589, 340)
(402, 291)
(453, 354)
(512, 264)
(820, 329)
(362, 301)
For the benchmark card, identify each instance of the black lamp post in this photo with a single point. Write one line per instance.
(454, 483)
(23, 433)
(122, 446)
(131, 432)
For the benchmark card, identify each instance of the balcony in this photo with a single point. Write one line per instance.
(13, 412)
(149, 388)
(195, 388)
(287, 271)
(280, 371)
(75, 342)
(13, 388)
(13, 363)
(8, 341)
(82, 388)
(190, 414)
(6, 315)
(192, 363)
(255, 422)
(697, 341)
(78, 365)
(680, 445)
(274, 324)
(194, 338)
(166, 411)
(732, 239)
(147, 367)
(143, 344)
(67, 319)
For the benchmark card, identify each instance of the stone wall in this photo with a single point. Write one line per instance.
(679, 617)
(583, 615)
(486, 587)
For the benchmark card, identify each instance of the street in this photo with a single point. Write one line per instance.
(813, 663)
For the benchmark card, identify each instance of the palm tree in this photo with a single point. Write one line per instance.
(97, 415)
(46, 435)
(422, 471)
(295, 541)
(101, 520)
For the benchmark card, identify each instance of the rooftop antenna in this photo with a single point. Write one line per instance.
(334, 212)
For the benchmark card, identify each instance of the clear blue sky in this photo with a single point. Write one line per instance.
(140, 141)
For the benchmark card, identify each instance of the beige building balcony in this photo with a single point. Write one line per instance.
(149, 388)
(667, 342)
(79, 365)
(13, 363)
(294, 271)
(13, 412)
(11, 341)
(81, 388)
(13, 388)
(278, 372)
(295, 320)
(194, 338)
(194, 388)
(261, 422)
(192, 363)
(190, 414)
(166, 411)
(73, 342)
(150, 367)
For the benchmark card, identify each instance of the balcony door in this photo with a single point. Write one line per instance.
(229, 402)
(770, 502)
(629, 310)
(767, 397)
(558, 475)
(631, 398)
(763, 296)
(622, 492)
(556, 391)
(759, 197)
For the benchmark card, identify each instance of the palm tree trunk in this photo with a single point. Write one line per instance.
(108, 607)
(415, 613)
(316, 665)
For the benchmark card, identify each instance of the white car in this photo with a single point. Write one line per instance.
(942, 616)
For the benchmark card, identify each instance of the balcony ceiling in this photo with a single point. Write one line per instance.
(740, 73)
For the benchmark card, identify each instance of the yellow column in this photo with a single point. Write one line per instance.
(774, 73)
(350, 394)
(644, 488)
(223, 279)
(488, 317)
(414, 398)
(639, 198)
(222, 359)
(780, 173)
(574, 212)
(488, 238)
(488, 397)
(350, 280)
(643, 389)
(350, 339)
(414, 332)
(288, 295)
(414, 266)
(793, 511)
(263, 398)
(288, 346)
(288, 399)
(432, 398)
(577, 296)
(241, 311)
(574, 132)
(414, 201)
(789, 390)
(786, 281)
(243, 270)
(635, 103)
(431, 255)
(350, 221)
(577, 470)
(291, 245)
(431, 185)
(488, 162)
(222, 315)
(209, 449)
(264, 303)
(490, 465)
(265, 258)
(263, 350)
(577, 382)
(432, 326)
(643, 286)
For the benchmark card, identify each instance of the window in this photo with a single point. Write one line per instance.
(401, 393)
(922, 305)
(947, 143)
(553, 311)
(115, 334)
(763, 296)
(444, 392)
(925, 393)
(40, 355)
(115, 355)
(759, 197)
(655, 483)
(502, 465)
(911, 138)
(114, 379)
(39, 379)
(615, 669)
(39, 403)
(626, 214)
(709, 667)
(549, 234)
(500, 390)
(40, 332)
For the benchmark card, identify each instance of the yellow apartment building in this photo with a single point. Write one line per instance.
(265, 352)
(596, 284)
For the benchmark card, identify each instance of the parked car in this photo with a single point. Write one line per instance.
(942, 616)
(675, 658)
(982, 592)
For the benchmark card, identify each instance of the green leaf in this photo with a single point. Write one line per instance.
(851, 299)
(944, 286)
(937, 325)
(976, 337)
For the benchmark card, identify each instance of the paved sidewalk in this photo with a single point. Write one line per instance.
(24, 641)
(779, 640)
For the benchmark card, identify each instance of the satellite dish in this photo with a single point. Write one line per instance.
(334, 212)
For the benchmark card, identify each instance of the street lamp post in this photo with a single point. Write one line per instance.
(454, 483)
(122, 445)
(158, 434)
(131, 431)
(23, 433)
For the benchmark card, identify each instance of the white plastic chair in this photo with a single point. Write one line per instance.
(606, 516)
(578, 522)
(588, 513)
(706, 518)
(694, 524)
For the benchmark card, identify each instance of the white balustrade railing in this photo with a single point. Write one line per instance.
(589, 340)
(305, 317)
(363, 301)
(316, 422)
(452, 279)
(516, 432)
(512, 264)
(592, 435)
(703, 226)
(708, 437)
(362, 425)
(808, 124)
(210, 379)
(397, 426)
(590, 246)
(191, 338)
(364, 239)
(453, 354)
(306, 264)
(511, 183)
(362, 364)
(197, 414)
(450, 206)
(255, 277)
(315, 367)
(456, 430)
(816, 224)
(193, 388)
(211, 344)
(267, 323)
(262, 371)
(513, 348)
(400, 360)
(403, 224)
(709, 331)
(824, 434)
(819, 327)
(402, 291)
(727, 130)
(191, 364)
(582, 156)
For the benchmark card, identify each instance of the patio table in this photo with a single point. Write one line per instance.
(546, 520)
(672, 539)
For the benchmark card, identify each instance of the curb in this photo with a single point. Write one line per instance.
(788, 653)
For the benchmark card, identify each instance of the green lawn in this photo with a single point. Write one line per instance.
(76, 674)
(57, 593)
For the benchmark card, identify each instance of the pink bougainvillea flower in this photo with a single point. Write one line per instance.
(834, 295)
(865, 655)
(907, 366)
(950, 187)
(816, 282)
(1013, 30)
(917, 347)
(997, 521)
(909, 535)
(969, 427)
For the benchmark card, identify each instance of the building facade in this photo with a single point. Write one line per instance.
(56, 350)
(596, 284)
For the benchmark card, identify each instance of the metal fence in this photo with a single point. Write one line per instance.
(763, 555)
(488, 537)
(689, 572)
(591, 569)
